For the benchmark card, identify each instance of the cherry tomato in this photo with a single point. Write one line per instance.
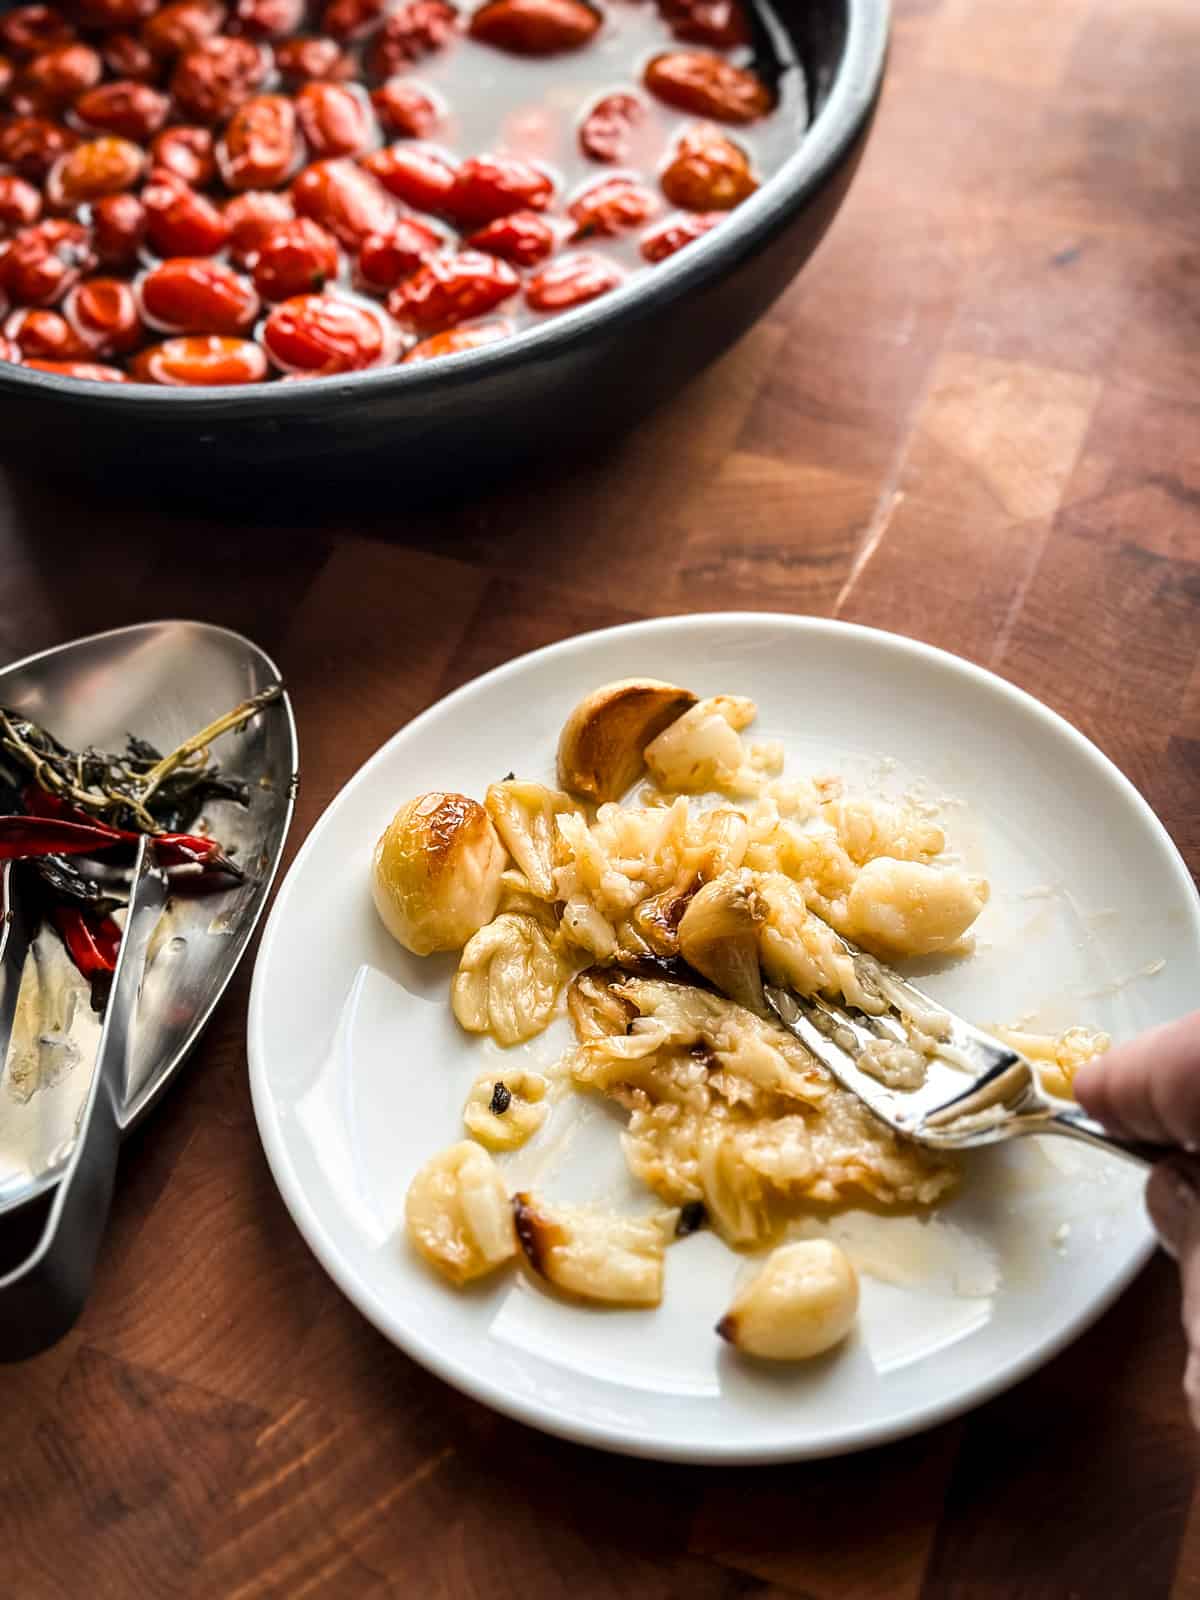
(133, 110)
(452, 289)
(296, 257)
(610, 207)
(524, 239)
(180, 222)
(405, 109)
(265, 19)
(605, 132)
(20, 204)
(720, 24)
(708, 173)
(28, 30)
(674, 232)
(457, 339)
(31, 145)
(9, 352)
(250, 218)
(344, 199)
(57, 76)
(571, 281)
(387, 258)
(80, 369)
(334, 119)
(44, 335)
(421, 178)
(126, 56)
(214, 78)
(103, 315)
(305, 60)
(200, 361)
(415, 29)
(259, 149)
(535, 27)
(44, 261)
(102, 166)
(114, 13)
(182, 25)
(707, 86)
(195, 295)
(187, 153)
(6, 75)
(351, 19)
(487, 187)
(118, 228)
(317, 334)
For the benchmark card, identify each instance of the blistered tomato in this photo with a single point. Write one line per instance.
(455, 340)
(317, 334)
(188, 153)
(415, 29)
(20, 204)
(487, 187)
(103, 314)
(28, 30)
(132, 110)
(101, 166)
(200, 361)
(180, 222)
(44, 261)
(387, 258)
(707, 86)
(352, 19)
(523, 238)
(55, 77)
(250, 218)
(118, 228)
(126, 56)
(535, 27)
(673, 233)
(720, 24)
(260, 147)
(269, 19)
(571, 281)
(182, 25)
(452, 289)
(344, 199)
(31, 145)
(335, 120)
(198, 296)
(296, 257)
(93, 370)
(405, 109)
(304, 60)
(708, 173)
(214, 78)
(44, 335)
(606, 132)
(421, 178)
(611, 206)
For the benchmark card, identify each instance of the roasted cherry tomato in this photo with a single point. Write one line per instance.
(535, 27)
(571, 281)
(306, 60)
(317, 334)
(55, 77)
(487, 187)
(28, 30)
(708, 173)
(103, 315)
(452, 289)
(180, 222)
(44, 261)
(79, 369)
(6, 75)
(720, 24)
(269, 19)
(250, 218)
(200, 361)
(610, 207)
(212, 80)
(118, 228)
(524, 238)
(334, 119)
(132, 110)
(114, 13)
(182, 25)
(707, 86)
(421, 178)
(455, 340)
(605, 134)
(20, 204)
(344, 199)
(352, 19)
(414, 30)
(195, 295)
(31, 145)
(126, 56)
(674, 232)
(405, 109)
(387, 258)
(44, 335)
(187, 153)
(259, 149)
(296, 257)
(107, 165)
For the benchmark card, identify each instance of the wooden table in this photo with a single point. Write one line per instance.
(974, 419)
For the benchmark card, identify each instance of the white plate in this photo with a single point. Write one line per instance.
(359, 1071)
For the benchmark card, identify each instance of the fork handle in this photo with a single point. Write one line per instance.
(1077, 1125)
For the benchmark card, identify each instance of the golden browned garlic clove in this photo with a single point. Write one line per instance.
(595, 1005)
(595, 1255)
(802, 1302)
(600, 750)
(718, 935)
(436, 872)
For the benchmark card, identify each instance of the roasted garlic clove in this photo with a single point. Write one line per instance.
(803, 1301)
(600, 750)
(502, 1112)
(734, 1195)
(436, 873)
(701, 749)
(508, 980)
(584, 927)
(525, 818)
(595, 1005)
(718, 935)
(458, 1215)
(905, 908)
(594, 1255)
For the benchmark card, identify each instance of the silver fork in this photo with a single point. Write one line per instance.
(977, 1090)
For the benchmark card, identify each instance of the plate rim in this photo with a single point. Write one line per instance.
(539, 1414)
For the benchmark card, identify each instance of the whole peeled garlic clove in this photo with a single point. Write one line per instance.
(802, 1302)
(600, 748)
(595, 1255)
(458, 1215)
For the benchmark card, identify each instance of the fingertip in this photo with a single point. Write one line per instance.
(1088, 1085)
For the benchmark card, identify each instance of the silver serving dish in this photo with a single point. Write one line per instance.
(162, 681)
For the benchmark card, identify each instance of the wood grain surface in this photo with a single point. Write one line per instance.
(973, 419)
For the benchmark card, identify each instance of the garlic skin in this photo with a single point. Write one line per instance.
(503, 1111)
(508, 980)
(436, 873)
(457, 1213)
(595, 1255)
(718, 935)
(600, 748)
(802, 1302)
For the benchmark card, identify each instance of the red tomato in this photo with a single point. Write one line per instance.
(182, 25)
(296, 257)
(180, 222)
(44, 335)
(351, 19)
(264, 19)
(6, 75)
(114, 13)
(200, 361)
(103, 314)
(415, 29)
(20, 204)
(720, 24)
(674, 232)
(487, 187)
(250, 218)
(454, 340)
(57, 76)
(118, 228)
(708, 173)
(303, 60)
(523, 238)
(387, 258)
(133, 110)
(605, 133)
(260, 148)
(80, 369)
(187, 153)
(126, 56)
(102, 166)
(571, 281)
(317, 334)
(344, 199)
(334, 120)
(44, 261)
(535, 27)
(214, 78)
(452, 289)
(28, 30)
(421, 178)
(707, 86)
(195, 295)
(31, 145)
(610, 207)
(405, 109)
